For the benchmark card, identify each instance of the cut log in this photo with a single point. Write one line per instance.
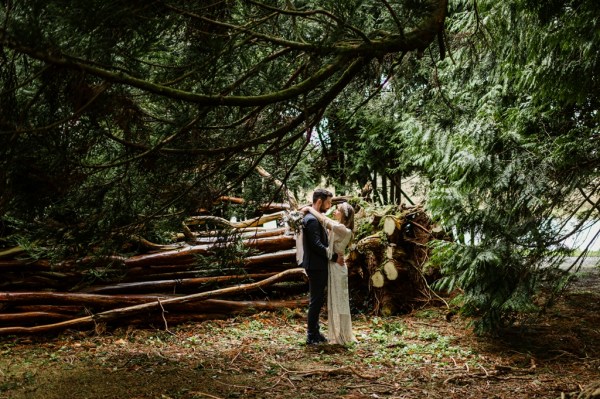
(32, 314)
(390, 270)
(179, 256)
(131, 310)
(217, 310)
(62, 309)
(77, 298)
(254, 222)
(187, 254)
(371, 243)
(172, 285)
(391, 225)
(29, 318)
(11, 252)
(271, 258)
(233, 200)
(387, 306)
(14, 265)
(252, 232)
(270, 244)
(275, 207)
(172, 272)
(148, 245)
(394, 252)
(377, 279)
(228, 306)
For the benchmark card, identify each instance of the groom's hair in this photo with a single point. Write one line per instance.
(321, 193)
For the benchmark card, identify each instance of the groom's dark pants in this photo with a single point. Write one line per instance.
(317, 281)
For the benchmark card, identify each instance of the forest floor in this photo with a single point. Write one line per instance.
(421, 355)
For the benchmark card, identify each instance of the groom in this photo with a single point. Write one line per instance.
(316, 263)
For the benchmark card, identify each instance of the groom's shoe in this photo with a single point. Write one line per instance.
(314, 339)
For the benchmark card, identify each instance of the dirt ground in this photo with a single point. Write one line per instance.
(421, 355)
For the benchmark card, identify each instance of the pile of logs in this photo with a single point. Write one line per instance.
(233, 268)
(388, 269)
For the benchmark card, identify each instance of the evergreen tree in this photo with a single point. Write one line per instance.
(506, 132)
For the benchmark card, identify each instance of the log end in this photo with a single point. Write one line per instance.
(389, 268)
(377, 279)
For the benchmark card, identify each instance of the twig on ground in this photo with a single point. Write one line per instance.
(162, 313)
(341, 370)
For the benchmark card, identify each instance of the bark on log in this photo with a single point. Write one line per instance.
(76, 298)
(14, 265)
(233, 200)
(371, 243)
(228, 306)
(164, 272)
(172, 285)
(28, 318)
(394, 252)
(252, 233)
(254, 222)
(270, 244)
(148, 245)
(278, 257)
(206, 306)
(187, 254)
(218, 310)
(62, 309)
(274, 207)
(11, 252)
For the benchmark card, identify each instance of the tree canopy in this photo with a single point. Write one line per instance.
(118, 117)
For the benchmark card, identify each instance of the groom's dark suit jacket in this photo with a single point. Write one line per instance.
(315, 244)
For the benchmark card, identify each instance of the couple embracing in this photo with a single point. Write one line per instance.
(324, 242)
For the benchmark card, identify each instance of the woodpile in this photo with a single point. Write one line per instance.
(387, 268)
(223, 268)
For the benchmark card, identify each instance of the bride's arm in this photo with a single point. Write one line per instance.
(320, 217)
(331, 225)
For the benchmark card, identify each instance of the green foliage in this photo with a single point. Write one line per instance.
(504, 132)
(507, 136)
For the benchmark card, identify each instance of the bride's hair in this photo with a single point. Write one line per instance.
(347, 215)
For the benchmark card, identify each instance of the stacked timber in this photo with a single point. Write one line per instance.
(215, 268)
(248, 267)
(387, 267)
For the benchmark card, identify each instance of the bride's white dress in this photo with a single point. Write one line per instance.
(338, 298)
